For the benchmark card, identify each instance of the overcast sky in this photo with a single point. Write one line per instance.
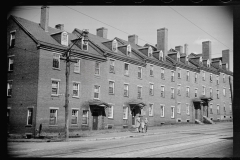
(186, 24)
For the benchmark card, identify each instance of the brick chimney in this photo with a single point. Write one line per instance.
(162, 40)
(179, 49)
(207, 50)
(44, 18)
(102, 32)
(133, 39)
(186, 49)
(225, 56)
(60, 26)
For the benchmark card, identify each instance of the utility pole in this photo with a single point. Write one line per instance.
(67, 58)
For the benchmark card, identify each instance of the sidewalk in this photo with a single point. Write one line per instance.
(111, 134)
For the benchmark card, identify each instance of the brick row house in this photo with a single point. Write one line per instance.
(112, 82)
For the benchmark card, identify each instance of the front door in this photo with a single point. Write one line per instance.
(95, 121)
(133, 117)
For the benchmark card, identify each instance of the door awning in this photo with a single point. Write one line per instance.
(98, 106)
(197, 100)
(134, 103)
(205, 98)
(98, 103)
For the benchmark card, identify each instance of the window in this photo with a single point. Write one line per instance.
(85, 117)
(114, 45)
(77, 66)
(162, 110)
(161, 55)
(223, 78)
(218, 109)
(97, 68)
(151, 89)
(187, 92)
(217, 79)
(196, 76)
(172, 93)
(179, 108)
(30, 116)
(12, 39)
(84, 45)
(139, 94)
(224, 108)
(74, 119)
(230, 93)
(187, 109)
(150, 109)
(178, 56)
(126, 92)
(112, 63)
(211, 95)
(208, 63)
(204, 76)
(211, 77)
(217, 94)
(9, 88)
(76, 89)
(64, 38)
(53, 116)
(110, 112)
(111, 87)
(204, 90)
(10, 63)
(125, 112)
(224, 92)
(211, 110)
(129, 50)
(126, 69)
(179, 90)
(139, 72)
(188, 75)
(162, 73)
(172, 112)
(151, 70)
(149, 51)
(56, 61)
(196, 92)
(162, 91)
(172, 76)
(55, 87)
(96, 92)
(179, 73)
(230, 108)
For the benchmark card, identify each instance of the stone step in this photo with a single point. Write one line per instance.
(198, 121)
(207, 120)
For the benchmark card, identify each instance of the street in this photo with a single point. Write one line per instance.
(185, 141)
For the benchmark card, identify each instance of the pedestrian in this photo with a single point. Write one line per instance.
(138, 124)
(142, 125)
(146, 124)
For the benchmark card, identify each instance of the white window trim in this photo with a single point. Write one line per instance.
(217, 80)
(204, 90)
(172, 113)
(151, 69)
(113, 60)
(163, 90)
(127, 70)
(204, 75)
(179, 107)
(28, 116)
(188, 75)
(172, 75)
(58, 91)
(126, 112)
(10, 43)
(179, 89)
(150, 83)
(210, 107)
(8, 87)
(140, 71)
(79, 83)
(82, 43)
(129, 46)
(149, 51)
(97, 68)
(187, 109)
(151, 115)
(179, 71)
(162, 73)
(188, 87)
(112, 105)
(224, 91)
(162, 114)
(96, 92)
(54, 108)
(211, 77)
(218, 94)
(59, 55)
(127, 89)
(196, 77)
(137, 91)
(113, 86)
(87, 117)
(218, 109)
(10, 56)
(77, 115)
(172, 93)
(196, 89)
(210, 92)
(79, 67)
(115, 42)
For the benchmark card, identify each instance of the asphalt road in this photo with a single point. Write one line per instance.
(201, 141)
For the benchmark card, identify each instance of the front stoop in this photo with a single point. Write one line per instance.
(198, 122)
(207, 120)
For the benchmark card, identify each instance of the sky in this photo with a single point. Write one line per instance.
(186, 24)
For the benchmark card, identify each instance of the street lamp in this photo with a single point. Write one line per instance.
(67, 58)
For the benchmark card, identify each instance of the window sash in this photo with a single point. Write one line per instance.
(187, 109)
(97, 68)
(187, 92)
(10, 63)
(125, 112)
(126, 89)
(172, 77)
(30, 116)
(179, 108)
(112, 66)
(12, 39)
(139, 72)
(195, 93)
(111, 87)
(151, 71)
(9, 88)
(172, 93)
(55, 87)
(53, 117)
(162, 110)
(151, 89)
(76, 89)
(77, 66)
(74, 119)
(110, 112)
(187, 78)
(126, 69)
(96, 91)
(85, 117)
(179, 73)
(56, 61)
(139, 92)
(172, 112)
(162, 73)
(162, 91)
(150, 109)
(179, 90)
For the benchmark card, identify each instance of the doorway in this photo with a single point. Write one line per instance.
(133, 117)
(95, 120)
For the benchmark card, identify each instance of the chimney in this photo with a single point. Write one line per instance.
(133, 39)
(225, 56)
(207, 50)
(102, 32)
(44, 18)
(186, 49)
(60, 26)
(179, 49)
(162, 40)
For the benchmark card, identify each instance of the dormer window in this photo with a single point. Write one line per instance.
(64, 39)
(149, 51)
(208, 63)
(220, 64)
(84, 45)
(200, 60)
(161, 55)
(114, 45)
(178, 56)
(129, 50)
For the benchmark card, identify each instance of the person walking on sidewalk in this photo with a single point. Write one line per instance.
(138, 124)
(146, 124)
(142, 125)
